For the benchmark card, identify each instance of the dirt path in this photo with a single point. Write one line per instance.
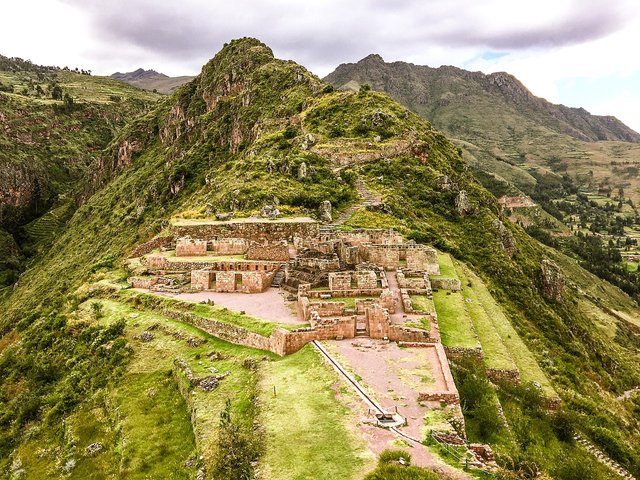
(367, 198)
(393, 377)
(269, 305)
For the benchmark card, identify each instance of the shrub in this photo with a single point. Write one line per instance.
(97, 308)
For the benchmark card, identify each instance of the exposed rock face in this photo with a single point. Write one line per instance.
(552, 281)
(324, 212)
(506, 237)
(302, 171)
(462, 203)
(444, 183)
(269, 211)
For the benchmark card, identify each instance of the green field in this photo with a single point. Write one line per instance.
(524, 360)
(456, 327)
(496, 354)
(309, 431)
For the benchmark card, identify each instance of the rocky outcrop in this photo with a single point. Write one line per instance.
(324, 212)
(505, 236)
(462, 203)
(553, 281)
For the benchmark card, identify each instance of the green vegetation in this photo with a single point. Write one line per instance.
(422, 303)
(456, 328)
(396, 465)
(364, 218)
(447, 270)
(300, 409)
(238, 145)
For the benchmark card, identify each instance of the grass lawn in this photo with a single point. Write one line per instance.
(456, 328)
(422, 322)
(447, 270)
(530, 371)
(154, 419)
(308, 430)
(422, 303)
(496, 354)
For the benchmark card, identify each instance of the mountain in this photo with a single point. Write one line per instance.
(53, 124)
(580, 169)
(504, 129)
(151, 80)
(92, 373)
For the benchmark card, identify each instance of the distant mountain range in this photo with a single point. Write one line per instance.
(152, 80)
(503, 128)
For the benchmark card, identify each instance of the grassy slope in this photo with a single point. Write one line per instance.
(207, 160)
(309, 431)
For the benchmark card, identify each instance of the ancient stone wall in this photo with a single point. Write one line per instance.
(501, 374)
(340, 281)
(151, 245)
(422, 258)
(189, 247)
(201, 279)
(323, 263)
(452, 284)
(386, 256)
(229, 246)
(273, 251)
(256, 231)
(365, 279)
(327, 309)
(377, 319)
(155, 261)
(410, 336)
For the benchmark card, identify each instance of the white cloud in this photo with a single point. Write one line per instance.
(545, 41)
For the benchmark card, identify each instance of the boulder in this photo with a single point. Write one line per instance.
(269, 211)
(324, 212)
(552, 281)
(302, 171)
(462, 203)
(505, 236)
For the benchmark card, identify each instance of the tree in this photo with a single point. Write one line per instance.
(56, 92)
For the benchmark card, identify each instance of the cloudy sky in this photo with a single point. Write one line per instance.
(576, 52)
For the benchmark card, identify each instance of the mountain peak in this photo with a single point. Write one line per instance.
(372, 58)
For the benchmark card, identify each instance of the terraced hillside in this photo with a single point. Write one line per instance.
(233, 140)
(53, 124)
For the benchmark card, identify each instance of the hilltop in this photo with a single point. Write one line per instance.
(581, 170)
(99, 377)
(151, 80)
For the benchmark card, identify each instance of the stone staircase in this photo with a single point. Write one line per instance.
(277, 279)
(367, 199)
(603, 457)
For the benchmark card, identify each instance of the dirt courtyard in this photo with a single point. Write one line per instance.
(269, 305)
(394, 376)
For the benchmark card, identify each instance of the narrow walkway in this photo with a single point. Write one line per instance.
(392, 280)
(367, 198)
(603, 457)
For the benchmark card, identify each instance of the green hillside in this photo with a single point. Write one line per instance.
(75, 369)
(54, 124)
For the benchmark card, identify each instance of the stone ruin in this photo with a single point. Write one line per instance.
(345, 283)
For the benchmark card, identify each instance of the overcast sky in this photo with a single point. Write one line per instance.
(576, 52)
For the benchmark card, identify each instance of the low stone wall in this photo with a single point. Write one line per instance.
(497, 374)
(151, 245)
(450, 398)
(161, 262)
(408, 335)
(345, 293)
(259, 230)
(189, 247)
(327, 309)
(452, 284)
(459, 352)
(275, 252)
